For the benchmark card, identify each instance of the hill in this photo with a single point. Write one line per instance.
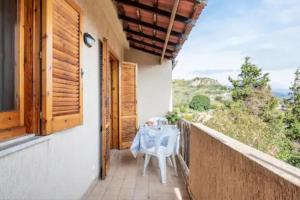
(184, 90)
(280, 93)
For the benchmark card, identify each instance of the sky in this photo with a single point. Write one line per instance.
(227, 31)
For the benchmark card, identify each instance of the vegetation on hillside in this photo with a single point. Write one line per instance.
(292, 116)
(200, 103)
(247, 112)
(185, 90)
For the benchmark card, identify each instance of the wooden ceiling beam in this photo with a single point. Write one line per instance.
(148, 51)
(156, 10)
(172, 19)
(149, 37)
(149, 25)
(148, 44)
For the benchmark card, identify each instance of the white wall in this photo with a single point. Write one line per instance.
(154, 84)
(64, 166)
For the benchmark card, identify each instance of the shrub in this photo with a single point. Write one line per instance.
(214, 106)
(242, 125)
(219, 98)
(294, 159)
(188, 116)
(183, 108)
(173, 117)
(200, 103)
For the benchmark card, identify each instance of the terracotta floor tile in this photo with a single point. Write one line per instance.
(126, 182)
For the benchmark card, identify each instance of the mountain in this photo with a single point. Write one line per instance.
(185, 90)
(204, 82)
(280, 93)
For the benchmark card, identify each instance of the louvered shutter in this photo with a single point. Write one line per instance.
(62, 81)
(128, 98)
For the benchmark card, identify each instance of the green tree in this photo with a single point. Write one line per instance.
(236, 122)
(251, 77)
(292, 116)
(200, 103)
(253, 90)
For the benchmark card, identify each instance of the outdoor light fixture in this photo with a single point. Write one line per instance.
(88, 40)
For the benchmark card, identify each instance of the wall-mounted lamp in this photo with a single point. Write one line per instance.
(88, 40)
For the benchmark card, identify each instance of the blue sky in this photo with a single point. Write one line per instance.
(268, 31)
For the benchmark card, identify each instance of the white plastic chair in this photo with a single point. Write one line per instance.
(158, 121)
(163, 152)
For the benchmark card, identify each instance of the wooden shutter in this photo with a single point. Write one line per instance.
(106, 109)
(62, 82)
(128, 102)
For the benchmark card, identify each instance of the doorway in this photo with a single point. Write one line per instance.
(118, 105)
(109, 105)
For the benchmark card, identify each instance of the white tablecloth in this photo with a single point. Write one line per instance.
(146, 138)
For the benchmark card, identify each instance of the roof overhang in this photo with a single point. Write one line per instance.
(159, 27)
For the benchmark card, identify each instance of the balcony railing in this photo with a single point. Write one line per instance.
(219, 167)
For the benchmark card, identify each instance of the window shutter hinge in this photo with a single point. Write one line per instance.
(41, 55)
(41, 115)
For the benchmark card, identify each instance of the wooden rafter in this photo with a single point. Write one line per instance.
(152, 9)
(148, 36)
(149, 25)
(156, 26)
(147, 44)
(172, 18)
(148, 51)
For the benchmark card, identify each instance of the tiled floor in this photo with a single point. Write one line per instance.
(125, 181)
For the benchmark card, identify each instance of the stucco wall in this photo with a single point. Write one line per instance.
(64, 166)
(154, 84)
(223, 168)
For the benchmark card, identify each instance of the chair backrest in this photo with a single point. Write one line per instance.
(158, 121)
(172, 133)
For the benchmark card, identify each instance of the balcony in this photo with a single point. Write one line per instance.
(213, 166)
(125, 181)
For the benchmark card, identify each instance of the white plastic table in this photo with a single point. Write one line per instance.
(146, 138)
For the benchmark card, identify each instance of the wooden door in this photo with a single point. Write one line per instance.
(106, 110)
(115, 103)
(128, 104)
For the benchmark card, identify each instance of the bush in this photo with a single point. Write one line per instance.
(188, 116)
(214, 106)
(242, 125)
(294, 159)
(183, 108)
(219, 98)
(173, 117)
(200, 103)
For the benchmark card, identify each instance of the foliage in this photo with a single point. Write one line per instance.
(249, 112)
(219, 98)
(173, 117)
(294, 159)
(250, 77)
(253, 116)
(185, 90)
(200, 103)
(188, 116)
(183, 108)
(253, 89)
(292, 116)
(240, 124)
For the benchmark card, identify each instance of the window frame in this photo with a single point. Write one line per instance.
(14, 119)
